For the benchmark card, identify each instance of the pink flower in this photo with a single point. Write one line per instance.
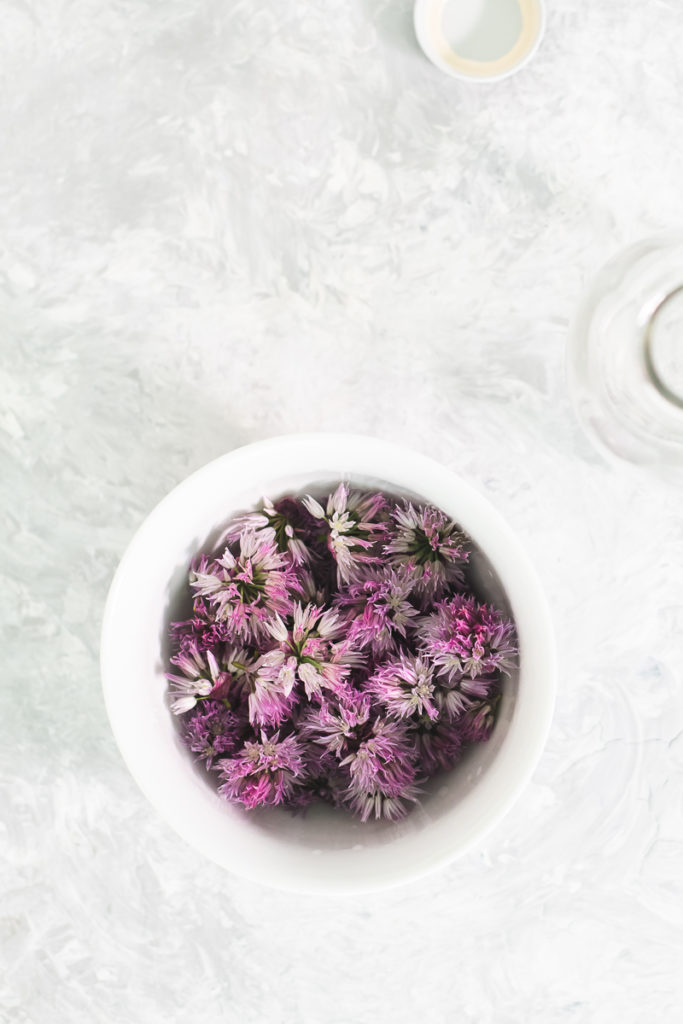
(477, 724)
(405, 687)
(270, 700)
(214, 674)
(306, 651)
(379, 610)
(465, 638)
(382, 773)
(380, 805)
(312, 592)
(331, 655)
(427, 539)
(351, 518)
(247, 588)
(201, 676)
(383, 763)
(410, 688)
(201, 632)
(265, 772)
(280, 522)
(336, 726)
(215, 729)
(439, 743)
(456, 694)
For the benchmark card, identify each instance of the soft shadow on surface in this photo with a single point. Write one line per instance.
(393, 22)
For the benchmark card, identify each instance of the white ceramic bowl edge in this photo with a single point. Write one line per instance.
(325, 851)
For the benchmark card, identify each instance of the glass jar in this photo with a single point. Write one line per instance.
(625, 357)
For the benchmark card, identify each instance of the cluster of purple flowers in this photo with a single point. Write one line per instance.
(334, 653)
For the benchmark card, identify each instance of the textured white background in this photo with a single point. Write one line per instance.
(223, 219)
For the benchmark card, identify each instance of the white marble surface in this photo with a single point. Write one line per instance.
(221, 220)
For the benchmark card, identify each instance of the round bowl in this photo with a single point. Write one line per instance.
(479, 40)
(326, 850)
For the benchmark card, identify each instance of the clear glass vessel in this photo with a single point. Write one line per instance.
(625, 357)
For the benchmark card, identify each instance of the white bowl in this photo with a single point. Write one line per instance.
(326, 850)
(479, 40)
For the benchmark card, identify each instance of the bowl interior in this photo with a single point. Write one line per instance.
(322, 826)
(325, 848)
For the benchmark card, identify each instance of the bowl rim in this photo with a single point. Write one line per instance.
(532, 727)
(424, 11)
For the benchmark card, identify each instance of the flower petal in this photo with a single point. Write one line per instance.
(314, 507)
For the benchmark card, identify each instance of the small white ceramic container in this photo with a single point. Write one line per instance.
(479, 40)
(325, 851)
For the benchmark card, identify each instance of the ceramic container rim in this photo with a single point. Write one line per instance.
(422, 13)
(410, 470)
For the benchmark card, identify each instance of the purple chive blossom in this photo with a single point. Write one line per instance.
(477, 723)
(351, 519)
(212, 674)
(201, 675)
(214, 730)
(465, 638)
(240, 662)
(200, 632)
(247, 588)
(385, 760)
(427, 539)
(271, 701)
(405, 688)
(411, 688)
(382, 773)
(281, 523)
(312, 590)
(332, 654)
(381, 805)
(456, 695)
(381, 768)
(324, 776)
(381, 613)
(306, 651)
(336, 727)
(265, 772)
(439, 744)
